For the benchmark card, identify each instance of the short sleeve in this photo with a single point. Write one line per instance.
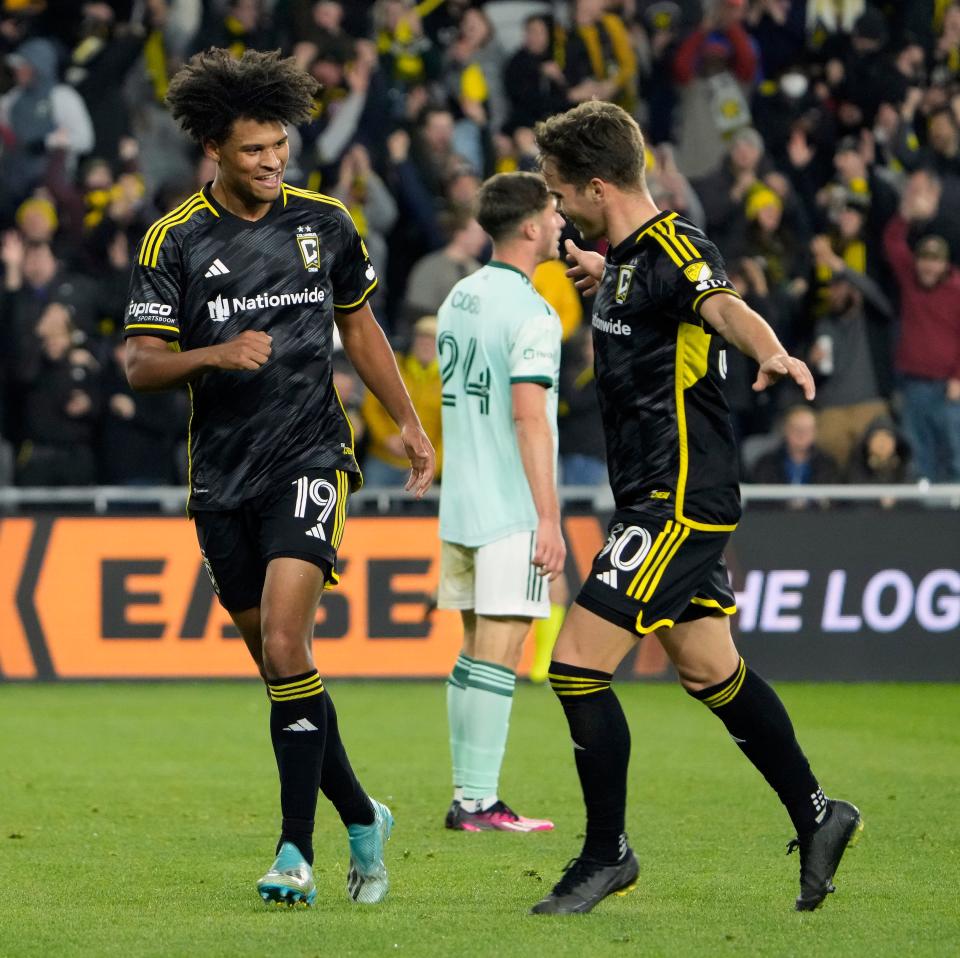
(153, 306)
(535, 350)
(691, 269)
(353, 277)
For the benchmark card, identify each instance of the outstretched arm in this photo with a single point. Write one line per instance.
(746, 329)
(371, 355)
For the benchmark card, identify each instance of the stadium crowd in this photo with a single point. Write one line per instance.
(816, 141)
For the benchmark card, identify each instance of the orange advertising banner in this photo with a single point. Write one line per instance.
(97, 597)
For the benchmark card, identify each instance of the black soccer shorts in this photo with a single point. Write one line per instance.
(654, 572)
(301, 518)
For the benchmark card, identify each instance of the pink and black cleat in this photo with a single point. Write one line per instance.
(500, 817)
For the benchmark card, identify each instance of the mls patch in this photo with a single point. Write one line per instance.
(698, 272)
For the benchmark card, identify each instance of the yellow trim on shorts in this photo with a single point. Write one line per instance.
(713, 604)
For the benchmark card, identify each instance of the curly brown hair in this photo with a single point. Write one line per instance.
(594, 139)
(214, 89)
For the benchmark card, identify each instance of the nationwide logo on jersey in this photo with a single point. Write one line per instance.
(219, 309)
(309, 244)
(624, 279)
(217, 268)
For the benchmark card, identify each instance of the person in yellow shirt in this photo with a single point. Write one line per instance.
(386, 464)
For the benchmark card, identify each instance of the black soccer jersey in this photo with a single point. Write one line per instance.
(670, 445)
(202, 277)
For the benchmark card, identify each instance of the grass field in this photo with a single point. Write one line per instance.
(136, 818)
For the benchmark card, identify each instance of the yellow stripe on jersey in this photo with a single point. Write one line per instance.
(713, 604)
(341, 512)
(150, 249)
(673, 531)
(667, 559)
(311, 195)
(649, 558)
(154, 228)
(152, 326)
(693, 345)
(366, 293)
(678, 247)
(349, 426)
(713, 292)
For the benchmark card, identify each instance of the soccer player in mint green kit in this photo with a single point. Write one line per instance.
(499, 347)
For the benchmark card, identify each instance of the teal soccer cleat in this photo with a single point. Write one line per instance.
(367, 881)
(290, 879)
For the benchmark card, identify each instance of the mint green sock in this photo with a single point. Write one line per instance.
(486, 719)
(456, 691)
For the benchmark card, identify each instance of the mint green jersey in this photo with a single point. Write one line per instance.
(494, 329)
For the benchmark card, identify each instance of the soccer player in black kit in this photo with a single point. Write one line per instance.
(663, 313)
(235, 293)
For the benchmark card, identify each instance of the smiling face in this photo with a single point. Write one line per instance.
(582, 207)
(550, 224)
(251, 161)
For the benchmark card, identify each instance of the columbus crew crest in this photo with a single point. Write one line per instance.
(309, 244)
(624, 279)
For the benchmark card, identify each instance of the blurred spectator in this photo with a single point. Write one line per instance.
(583, 456)
(105, 51)
(37, 220)
(724, 192)
(40, 113)
(432, 278)
(715, 67)
(928, 349)
(372, 207)
(60, 385)
(599, 62)
(669, 188)
(798, 460)
(387, 463)
(882, 457)
(848, 395)
(244, 25)
(140, 431)
(316, 26)
(534, 82)
(473, 72)
(408, 57)
(33, 277)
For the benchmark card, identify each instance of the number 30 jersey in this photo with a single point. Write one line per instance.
(659, 372)
(494, 329)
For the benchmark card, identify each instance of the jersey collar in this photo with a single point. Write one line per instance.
(497, 264)
(237, 221)
(623, 248)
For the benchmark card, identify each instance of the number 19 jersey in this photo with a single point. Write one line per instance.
(494, 329)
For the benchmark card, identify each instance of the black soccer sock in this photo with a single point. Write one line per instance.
(759, 724)
(337, 779)
(601, 748)
(298, 728)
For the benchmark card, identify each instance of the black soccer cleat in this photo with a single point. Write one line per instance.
(586, 883)
(453, 813)
(821, 851)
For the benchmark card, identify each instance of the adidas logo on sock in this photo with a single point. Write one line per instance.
(301, 725)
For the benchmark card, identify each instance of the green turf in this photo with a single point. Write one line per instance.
(136, 818)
